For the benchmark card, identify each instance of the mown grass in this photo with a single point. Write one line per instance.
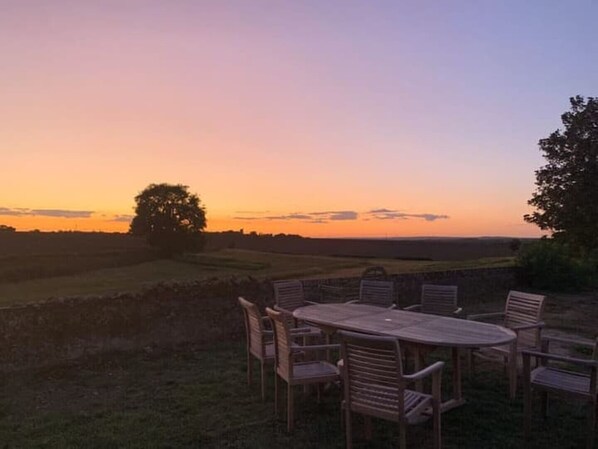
(223, 263)
(197, 397)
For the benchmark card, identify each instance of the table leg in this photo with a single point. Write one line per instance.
(513, 370)
(419, 362)
(457, 391)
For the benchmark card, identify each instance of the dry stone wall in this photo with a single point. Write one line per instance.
(60, 329)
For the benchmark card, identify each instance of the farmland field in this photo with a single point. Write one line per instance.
(35, 266)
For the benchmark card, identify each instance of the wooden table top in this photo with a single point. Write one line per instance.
(407, 326)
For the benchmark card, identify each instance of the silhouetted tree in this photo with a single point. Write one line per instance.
(566, 198)
(171, 218)
(6, 228)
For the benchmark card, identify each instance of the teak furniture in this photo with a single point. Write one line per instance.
(292, 371)
(411, 327)
(438, 300)
(523, 315)
(375, 385)
(561, 380)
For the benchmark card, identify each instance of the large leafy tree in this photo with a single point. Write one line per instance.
(566, 197)
(171, 218)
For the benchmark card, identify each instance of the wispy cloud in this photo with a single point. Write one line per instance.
(122, 218)
(14, 212)
(390, 214)
(62, 213)
(308, 217)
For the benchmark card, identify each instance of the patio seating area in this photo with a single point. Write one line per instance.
(192, 396)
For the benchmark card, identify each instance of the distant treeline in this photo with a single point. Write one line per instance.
(408, 249)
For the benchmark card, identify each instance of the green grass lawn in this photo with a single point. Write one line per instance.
(197, 397)
(221, 264)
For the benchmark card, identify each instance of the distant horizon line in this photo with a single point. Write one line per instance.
(420, 237)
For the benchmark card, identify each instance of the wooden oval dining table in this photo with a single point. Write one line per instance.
(420, 331)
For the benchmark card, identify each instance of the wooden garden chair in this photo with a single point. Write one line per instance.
(376, 293)
(579, 385)
(342, 293)
(375, 385)
(259, 340)
(293, 371)
(438, 300)
(522, 314)
(289, 295)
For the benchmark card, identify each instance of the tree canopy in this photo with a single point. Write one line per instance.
(170, 217)
(566, 197)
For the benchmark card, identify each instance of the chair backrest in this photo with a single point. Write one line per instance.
(377, 293)
(373, 374)
(289, 295)
(525, 308)
(375, 273)
(253, 327)
(283, 360)
(439, 299)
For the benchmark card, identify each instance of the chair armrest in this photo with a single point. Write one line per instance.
(353, 301)
(571, 341)
(458, 311)
(437, 366)
(285, 312)
(266, 332)
(300, 330)
(525, 327)
(485, 316)
(394, 306)
(414, 307)
(311, 303)
(314, 348)
(560, 358)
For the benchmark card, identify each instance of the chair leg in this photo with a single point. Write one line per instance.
(527, 399)
(348, 428)
(263, 380)
(289, 407)
(403, 434)
(275, 394)
(367, 420)
(513, 370)
(544, 409)
(436, 425)
(591, 424)
(249, 368)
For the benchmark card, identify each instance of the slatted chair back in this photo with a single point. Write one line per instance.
(289, 295)
(521, 309)
(373, 375)
(283, 361)
(439, 299)
(377, 293)
(375, 273)
(254, 328)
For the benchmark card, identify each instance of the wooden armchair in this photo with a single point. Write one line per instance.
(292, 371)
(438, 300)
(375, 385)
(558, 380)
(260, 341)
(342, 293)
(523, 314)
(289, 295)
(376, 293)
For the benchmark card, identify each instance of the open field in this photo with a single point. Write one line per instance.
(214, 264)
(197, 397)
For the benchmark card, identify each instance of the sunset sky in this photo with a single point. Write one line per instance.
(323, 118)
